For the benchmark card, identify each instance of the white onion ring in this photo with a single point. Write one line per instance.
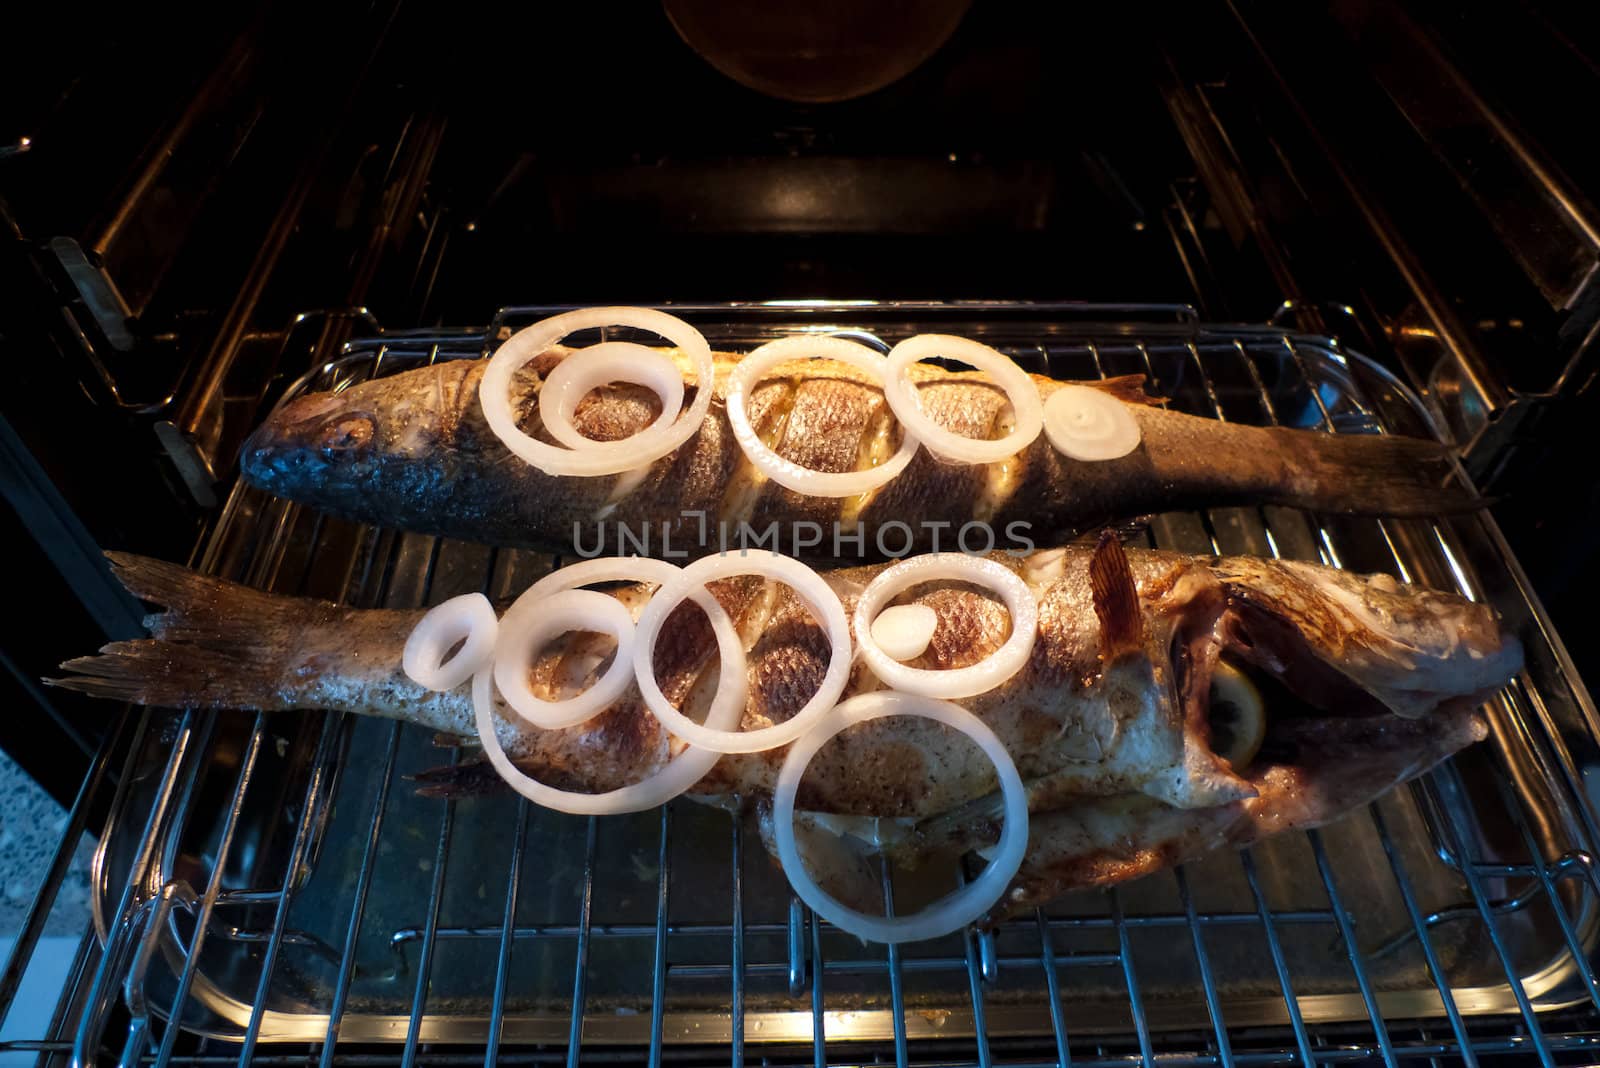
(470, 617)
(680, 773)
(977, 678)
(1019, 389)
(808, 585)
(683, 770)
(950, 912)
(609, 361)
(522, 621)
(526, 632)
(787, 473)
(595, 457)
(1085, 423)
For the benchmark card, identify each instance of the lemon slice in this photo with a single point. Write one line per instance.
(1238, 716)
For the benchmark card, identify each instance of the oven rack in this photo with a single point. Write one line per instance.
(224, 827)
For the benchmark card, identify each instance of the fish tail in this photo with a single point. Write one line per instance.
(1372, 474)
(218, 645)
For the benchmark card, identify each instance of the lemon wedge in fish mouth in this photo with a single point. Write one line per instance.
(1237, 715)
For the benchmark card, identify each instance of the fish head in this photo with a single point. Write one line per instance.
(1346, 642)
(325, 448)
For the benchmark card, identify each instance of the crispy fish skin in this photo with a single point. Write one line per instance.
(413, 451)
(1081, 719)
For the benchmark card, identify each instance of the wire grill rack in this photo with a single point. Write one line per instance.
(270, 889)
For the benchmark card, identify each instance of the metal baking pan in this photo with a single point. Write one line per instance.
(275, 878)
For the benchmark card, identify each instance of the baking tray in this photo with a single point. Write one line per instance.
(272, 878)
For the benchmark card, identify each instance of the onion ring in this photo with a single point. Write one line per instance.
(594, 366)
(1085, 423)
(680, 773)
(528, 631)
(808, 585)
(683, 770)
(522, 621)
(949, 913)
(468, 618)
(1019, 389)
(595, 457)
(977, 678)
(787, 473)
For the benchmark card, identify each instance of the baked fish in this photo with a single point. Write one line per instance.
(413, 451)
(1113, 722)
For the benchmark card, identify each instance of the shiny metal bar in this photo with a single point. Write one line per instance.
(736, 967)
(419, 997)
(230, 825)
(580, 970)
(1580, 955)
(797, 946)
(1347, 933)
(502, 967)
(975, 995)
(107, 978)
(1436, 971)
(897, 988)
(1141, 1025)
(1052, 985)
(1279, 964)
(314, 798)
(819, 1030)
(1208, 982)
(658, 970)
(347, 960)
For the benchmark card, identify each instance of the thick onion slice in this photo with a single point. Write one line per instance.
(468, 619)
(680, 773)
(957, 682)
(1085, 423)
(787, 473)
(595, 457)
(525, 621)
(949, 913)
(524, 633)
(808, 585)
(904, 630)
(901, 394)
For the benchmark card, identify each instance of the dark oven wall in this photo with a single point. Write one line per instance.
(200, 207)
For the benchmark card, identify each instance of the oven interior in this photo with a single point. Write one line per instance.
(207, 212)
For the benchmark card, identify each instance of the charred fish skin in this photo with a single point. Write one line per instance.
(413, 451)
(1090, 715)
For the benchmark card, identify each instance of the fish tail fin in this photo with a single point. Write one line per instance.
(1375, 474)
(218, 645)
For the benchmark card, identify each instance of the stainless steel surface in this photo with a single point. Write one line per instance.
(273, 878)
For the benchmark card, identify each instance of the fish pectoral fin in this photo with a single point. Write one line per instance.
(1201, 781)
(1116, 599)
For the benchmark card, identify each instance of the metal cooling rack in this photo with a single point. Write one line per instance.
(271, 890)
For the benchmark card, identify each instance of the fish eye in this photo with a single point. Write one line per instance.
(349, 432)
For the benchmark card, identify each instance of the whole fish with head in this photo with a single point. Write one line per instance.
(1171, 704)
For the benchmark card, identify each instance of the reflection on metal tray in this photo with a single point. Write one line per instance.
(274, 878)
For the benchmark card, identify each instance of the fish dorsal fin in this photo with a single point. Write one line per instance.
(1116, 599)
(1129, 389)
